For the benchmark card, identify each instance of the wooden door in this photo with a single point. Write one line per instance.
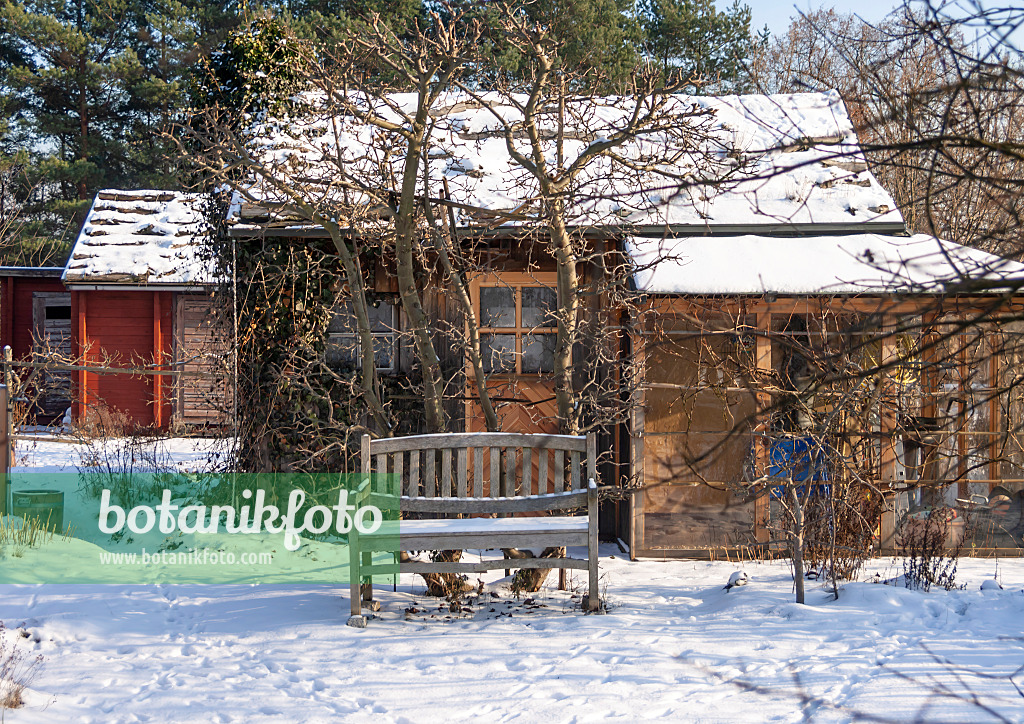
(51, 342)
(202, 352)
(697, 441)
(517, 336)
(517, 332)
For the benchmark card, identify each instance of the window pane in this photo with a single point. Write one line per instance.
(538, 305)
(497, 307)
(384, 351)
(382, 318)
(498, 352)
(61, 312)
(539, 353)
(342, 349)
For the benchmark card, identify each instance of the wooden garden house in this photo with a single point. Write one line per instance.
(750, 309)
(141, 292)
(742, 361)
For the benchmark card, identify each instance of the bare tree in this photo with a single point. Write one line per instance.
(934, 91)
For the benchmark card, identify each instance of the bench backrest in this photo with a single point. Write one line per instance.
(483, 465)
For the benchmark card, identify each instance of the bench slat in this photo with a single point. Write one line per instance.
(483, 540)
(431, 479)
(494, 506)
(382, 464)
(414, 473)
(559, 471)
(441, 441)
(399, 466)
(542, 472)
(527, 471)
(463, 471)
(574, 470)
(509, 484)
(478, 472)
(446, 472)
(383, 569)
(495, 455)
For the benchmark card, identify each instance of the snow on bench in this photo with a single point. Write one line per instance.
(444, 476)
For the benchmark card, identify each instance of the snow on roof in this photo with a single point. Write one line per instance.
(791, 159)
(141, 237)
(856, 264)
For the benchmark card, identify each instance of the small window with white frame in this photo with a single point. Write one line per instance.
(343, 336)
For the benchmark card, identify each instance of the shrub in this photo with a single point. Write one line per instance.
(929, 554)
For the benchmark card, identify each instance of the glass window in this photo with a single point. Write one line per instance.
(539, 305)
(539, 353)
(510, 314)
(497, 307)
(343, 343)
(498, 352)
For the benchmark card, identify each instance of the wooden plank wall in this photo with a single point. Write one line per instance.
(201, 345)
(123, 325)
(16, 311)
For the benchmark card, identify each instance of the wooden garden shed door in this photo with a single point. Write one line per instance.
(517, 336)
(201, 345)
(697, 440)
(51, 335)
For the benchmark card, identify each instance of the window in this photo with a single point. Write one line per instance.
(517, 328)
(343, 339)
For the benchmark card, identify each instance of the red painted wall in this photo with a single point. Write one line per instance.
(16, 310)
(122, 325)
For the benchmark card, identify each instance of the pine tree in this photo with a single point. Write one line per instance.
(600, 36)
(694, 38)
(72, 65)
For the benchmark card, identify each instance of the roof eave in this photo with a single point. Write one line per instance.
(886, 228)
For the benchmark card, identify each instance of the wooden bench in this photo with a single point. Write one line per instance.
(445, 476)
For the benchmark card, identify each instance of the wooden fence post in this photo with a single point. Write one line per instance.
(9, 407)
(5, 447)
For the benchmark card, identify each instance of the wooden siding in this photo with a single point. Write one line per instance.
(129, 328)
(16, 311)
(200, 345)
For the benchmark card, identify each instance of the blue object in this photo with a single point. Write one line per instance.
(801, 458)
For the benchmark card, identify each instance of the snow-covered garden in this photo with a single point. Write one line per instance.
(674, 644)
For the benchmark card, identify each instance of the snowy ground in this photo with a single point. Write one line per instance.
(674, 645)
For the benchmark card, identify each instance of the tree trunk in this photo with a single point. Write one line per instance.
(568, 307)
(357, 290)
(405, 233)
(796, 538)
(457, 283)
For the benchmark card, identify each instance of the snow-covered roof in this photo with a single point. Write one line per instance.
(855, 264)
(141, 238)
(735, 160)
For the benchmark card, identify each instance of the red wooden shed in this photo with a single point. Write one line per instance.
(141, 300)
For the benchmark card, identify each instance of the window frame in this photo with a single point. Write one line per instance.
(515, 282)
(353, 333)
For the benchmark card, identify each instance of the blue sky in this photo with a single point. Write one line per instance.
(776, 14)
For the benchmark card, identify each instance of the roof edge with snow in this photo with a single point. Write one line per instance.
(813, 265)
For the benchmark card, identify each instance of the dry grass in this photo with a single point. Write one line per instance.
(17, 669)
